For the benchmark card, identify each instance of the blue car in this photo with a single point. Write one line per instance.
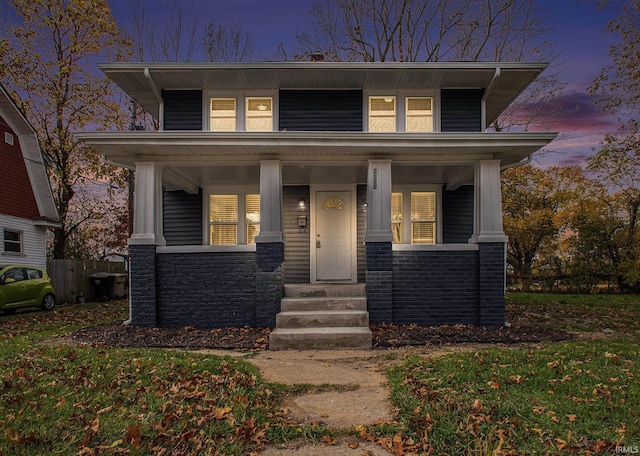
(25, 286)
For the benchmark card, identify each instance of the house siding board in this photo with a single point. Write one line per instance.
(297, 246)
(457, 215)
(16, 193)
(461, 110)
(182, 218)
(206, 290)
(182, 109)
(33, 242)
(435, 287)
(320, 110)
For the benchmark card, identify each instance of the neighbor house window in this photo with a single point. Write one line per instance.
(414, 217)
(222, 114)
(382, 114)
(419, 114)
(259, 115)
(12, 241)
(224, 226)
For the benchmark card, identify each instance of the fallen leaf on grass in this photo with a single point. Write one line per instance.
(328, 440)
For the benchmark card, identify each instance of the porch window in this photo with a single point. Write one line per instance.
(259, 114)
(396, 217)
(419, 114)
(382, 114)
(12, 241)
(224, 226)
(252, 217)
(414, 216)
(423, 218)
(222, 114)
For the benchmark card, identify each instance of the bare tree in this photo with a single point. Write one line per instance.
(222, 44)
(438, 30)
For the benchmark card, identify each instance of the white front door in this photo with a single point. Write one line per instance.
(333, 243)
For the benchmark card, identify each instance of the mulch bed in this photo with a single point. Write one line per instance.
(384, 336)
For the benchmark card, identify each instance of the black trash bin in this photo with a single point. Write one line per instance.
(102, 285)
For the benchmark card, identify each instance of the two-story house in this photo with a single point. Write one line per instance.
(265, 176)
(27, 208)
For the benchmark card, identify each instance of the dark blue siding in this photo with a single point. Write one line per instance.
(182, 218)
(457, 215)
(461, 110)
(321, 110)
(182, 109)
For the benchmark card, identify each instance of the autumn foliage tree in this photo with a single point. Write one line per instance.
(49, 66)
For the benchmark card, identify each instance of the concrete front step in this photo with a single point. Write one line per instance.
(320, 338)
(322, 319)
(325, 290)
(323, 303)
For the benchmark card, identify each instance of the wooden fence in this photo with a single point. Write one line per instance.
(70, 278)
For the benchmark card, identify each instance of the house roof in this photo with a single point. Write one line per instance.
(503, 81)
(33, 159)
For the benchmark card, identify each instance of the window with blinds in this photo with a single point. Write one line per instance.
(222, 114)
(223, 219)
(252, 210)
(423, 217)
(382, 114)
(396, 217)
(259, 115)
(419, 114)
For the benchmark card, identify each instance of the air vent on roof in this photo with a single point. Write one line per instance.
(8, 138)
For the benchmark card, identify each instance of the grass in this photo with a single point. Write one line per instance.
(577, 397)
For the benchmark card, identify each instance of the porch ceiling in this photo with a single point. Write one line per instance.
(194, 159)
(143, 81)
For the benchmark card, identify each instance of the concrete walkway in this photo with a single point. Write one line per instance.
(361, 396)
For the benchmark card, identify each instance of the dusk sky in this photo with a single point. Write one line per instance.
(578, 26)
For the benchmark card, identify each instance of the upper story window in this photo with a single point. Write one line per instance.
(222, 114)
(419, 111)
(382, 114)
(259, 114)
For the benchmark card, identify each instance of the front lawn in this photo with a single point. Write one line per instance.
(572, 397)
(76, 399)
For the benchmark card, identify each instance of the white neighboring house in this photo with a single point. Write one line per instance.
(27, 208)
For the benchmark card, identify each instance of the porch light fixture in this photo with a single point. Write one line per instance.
(301, 204)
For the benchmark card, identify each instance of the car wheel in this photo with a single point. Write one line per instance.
(48, 302)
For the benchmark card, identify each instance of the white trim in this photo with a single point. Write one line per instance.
(205, 248)
(434, 247)
(353, 190)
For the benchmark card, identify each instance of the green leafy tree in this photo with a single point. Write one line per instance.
(49, 64)
(537, 205)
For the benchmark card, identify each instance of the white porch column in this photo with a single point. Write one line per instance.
(147, 219)
(379, 202)
(488, 203)
(270, 202)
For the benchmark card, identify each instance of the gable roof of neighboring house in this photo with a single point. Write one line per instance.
(32, 164)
